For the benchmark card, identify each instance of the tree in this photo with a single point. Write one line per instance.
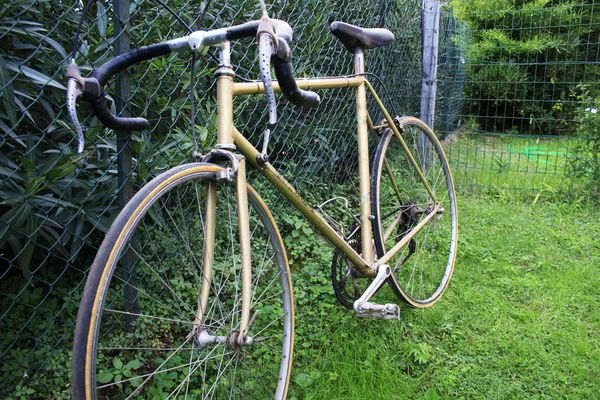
(524, 59)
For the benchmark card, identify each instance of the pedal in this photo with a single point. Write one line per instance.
(382, 311)
(365, 309)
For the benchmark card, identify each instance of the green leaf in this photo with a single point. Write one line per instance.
(11, 133)
(134, 364)
(304, 380)
(24, 109)
(35, 76)
(28, 165)
(102, 19)
(11, 173)
(56, 46)
(117, 363)
(7, 93)
(104, 377)
(61, 171)
(136, 382)
(431, 394)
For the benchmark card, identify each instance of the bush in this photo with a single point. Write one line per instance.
(584, 163)
(520, 49)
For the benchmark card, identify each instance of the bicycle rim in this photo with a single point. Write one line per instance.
(422, 269)
(138, 334)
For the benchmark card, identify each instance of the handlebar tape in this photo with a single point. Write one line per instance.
(288, 86)
(287, 82)
(250, 29)
(113, 67)
(246, 30)
(281, 64)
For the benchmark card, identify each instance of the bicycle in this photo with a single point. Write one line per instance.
(191, 289)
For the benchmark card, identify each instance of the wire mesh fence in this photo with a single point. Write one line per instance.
(56, 204)
(529, 74)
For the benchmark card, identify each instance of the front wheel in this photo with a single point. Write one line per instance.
(413, 202)
(143, 329)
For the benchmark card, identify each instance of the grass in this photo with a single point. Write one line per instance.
(521, 318)
(510, 161)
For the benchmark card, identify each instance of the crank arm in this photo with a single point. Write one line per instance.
(364, 308)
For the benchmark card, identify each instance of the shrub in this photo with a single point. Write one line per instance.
(520, 49)
(584, 162)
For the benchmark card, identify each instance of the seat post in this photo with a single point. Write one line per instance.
(359, 61)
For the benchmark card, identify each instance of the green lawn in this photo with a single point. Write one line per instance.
(521, 318)
(505, 161)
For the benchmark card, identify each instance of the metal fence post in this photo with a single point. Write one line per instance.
(430, 25)
(124, 156)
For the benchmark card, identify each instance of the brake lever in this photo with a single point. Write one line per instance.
(74, 91)
(266, 48)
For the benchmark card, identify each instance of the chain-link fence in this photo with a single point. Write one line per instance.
(56, 204)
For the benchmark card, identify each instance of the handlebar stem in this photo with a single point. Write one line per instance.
(198, 40)
(225, 56)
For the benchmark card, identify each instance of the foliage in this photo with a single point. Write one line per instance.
(37, 335)
(44, 186)
(520, 49)
(118, 371)
(584, 162)
(55, 205)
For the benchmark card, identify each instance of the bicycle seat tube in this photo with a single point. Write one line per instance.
(363, 160)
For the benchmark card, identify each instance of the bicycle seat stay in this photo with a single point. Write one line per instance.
(353, 36)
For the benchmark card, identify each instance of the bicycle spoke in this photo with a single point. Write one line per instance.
(155, 336)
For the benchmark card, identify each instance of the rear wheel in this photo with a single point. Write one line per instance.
(142, 330)
(406, 211)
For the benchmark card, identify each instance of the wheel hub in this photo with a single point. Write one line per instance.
(202, 339)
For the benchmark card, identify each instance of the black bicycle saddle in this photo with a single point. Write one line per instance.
(353, 36)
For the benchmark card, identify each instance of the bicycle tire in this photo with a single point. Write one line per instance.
(148, 344)
(422, 269)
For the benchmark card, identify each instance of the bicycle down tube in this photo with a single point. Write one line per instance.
(363, 264)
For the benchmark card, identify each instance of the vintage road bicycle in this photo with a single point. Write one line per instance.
(190, 294)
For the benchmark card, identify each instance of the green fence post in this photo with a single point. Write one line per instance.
(124, 155)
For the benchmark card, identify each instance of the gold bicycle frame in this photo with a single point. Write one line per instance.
(229, 138)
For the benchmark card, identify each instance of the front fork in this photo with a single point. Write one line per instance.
(237, 174)
(244, 233)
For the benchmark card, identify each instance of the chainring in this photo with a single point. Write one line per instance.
(347, 287)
